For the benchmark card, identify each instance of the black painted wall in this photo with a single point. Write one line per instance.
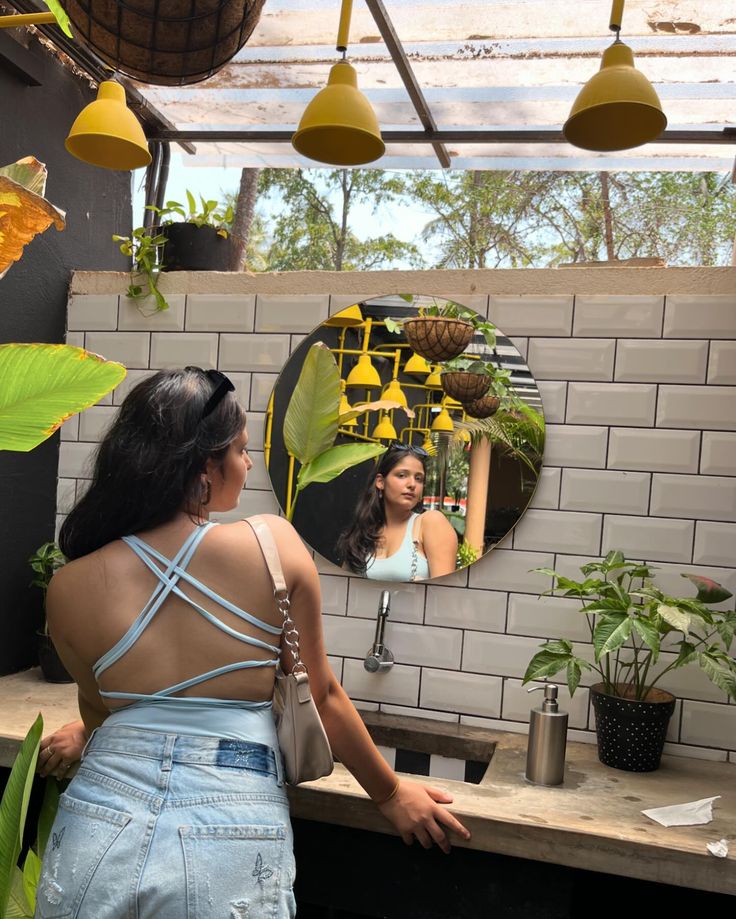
(34, 120)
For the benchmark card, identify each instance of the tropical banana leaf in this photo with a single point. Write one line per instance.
(14, 808)
(24, 212)
(334, 461)
(311, 420)
(41, 386)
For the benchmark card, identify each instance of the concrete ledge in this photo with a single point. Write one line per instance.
(497, 282)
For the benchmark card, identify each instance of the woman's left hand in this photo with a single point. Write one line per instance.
(62, 749)
(416, 812)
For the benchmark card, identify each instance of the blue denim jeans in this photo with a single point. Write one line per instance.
(167, 826)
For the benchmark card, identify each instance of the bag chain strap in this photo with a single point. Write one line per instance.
(290, 633)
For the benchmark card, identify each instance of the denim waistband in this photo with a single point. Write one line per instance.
(184, 748)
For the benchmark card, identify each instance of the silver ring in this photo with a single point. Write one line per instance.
(49, 751)
(64, 766)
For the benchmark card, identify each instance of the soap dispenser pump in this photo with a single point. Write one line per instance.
(545, 759)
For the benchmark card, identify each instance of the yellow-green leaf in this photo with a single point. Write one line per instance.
(675, 617)
(311, 420)
(41, 386)
(333, 462)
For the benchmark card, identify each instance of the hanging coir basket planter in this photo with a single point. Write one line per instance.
(464, 386)
(482, 408)
(631, 733)
(166, 42)
(438, 338)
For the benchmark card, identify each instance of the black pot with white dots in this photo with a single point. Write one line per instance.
(631, 732)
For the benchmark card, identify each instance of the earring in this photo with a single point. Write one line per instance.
(380, 493)
(207, 493)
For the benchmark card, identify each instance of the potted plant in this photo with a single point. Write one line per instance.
(442, 331)
(44, 562)
(145, 247)
(199, 240)
(468, 379)
(629, 617)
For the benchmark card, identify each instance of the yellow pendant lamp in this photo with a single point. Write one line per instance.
(345, 407)
(443, 422)
(347, 318)
(107, 134)
(417, 366)
(618, 108)
(384, 430)
(395, 393)
(364, 374)
(339, 127)
(434, 380)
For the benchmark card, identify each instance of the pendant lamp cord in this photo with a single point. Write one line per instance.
(617, 15)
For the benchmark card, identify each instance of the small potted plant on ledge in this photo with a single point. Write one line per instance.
(44, 562)
(442, 330)
(629, 619)
(199, 240)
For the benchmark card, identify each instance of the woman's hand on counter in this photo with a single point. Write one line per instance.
(62, 749)
(416, 812)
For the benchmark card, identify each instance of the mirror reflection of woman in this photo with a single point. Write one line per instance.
(391, 537)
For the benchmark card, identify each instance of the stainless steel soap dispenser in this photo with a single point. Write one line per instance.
(545, 758)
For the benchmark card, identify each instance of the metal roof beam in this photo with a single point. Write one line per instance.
(391, 40)
(434, 136)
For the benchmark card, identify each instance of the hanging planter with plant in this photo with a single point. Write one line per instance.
(484, 407)
(468, 379)
(627, 624)
(168, 44)
(199, 240)
(442, 331)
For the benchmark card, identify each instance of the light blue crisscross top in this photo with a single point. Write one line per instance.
(399, 566)
(241, 719)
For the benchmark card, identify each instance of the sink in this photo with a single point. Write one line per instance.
(421, 746)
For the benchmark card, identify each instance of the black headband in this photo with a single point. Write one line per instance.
(222, 387)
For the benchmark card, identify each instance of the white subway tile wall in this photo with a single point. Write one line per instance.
(639, 395)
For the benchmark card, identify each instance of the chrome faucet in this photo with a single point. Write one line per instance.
(379, 657)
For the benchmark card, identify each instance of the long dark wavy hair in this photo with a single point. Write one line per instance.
(357, 543)
(149, 463)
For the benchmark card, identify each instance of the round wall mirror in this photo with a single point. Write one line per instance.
(404, 437)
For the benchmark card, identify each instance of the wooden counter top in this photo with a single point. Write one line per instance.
(592, 821)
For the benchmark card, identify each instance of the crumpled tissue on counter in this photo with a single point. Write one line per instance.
(691, 814)
(719, 849)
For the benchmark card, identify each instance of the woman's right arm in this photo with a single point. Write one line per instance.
(415, 810)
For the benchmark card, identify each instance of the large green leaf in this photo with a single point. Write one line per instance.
(18, 906)
(310, 423)
(14, 808)
(610, 633)
(41, 386)
(545, 664)
(720, 670)
(675, 617)
(333, 462)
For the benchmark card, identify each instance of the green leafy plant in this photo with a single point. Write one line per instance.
(207, 214)
(62, 20)
(516, 428)
(311, 425)
(145, 247)
(41, 386)
(44, 562)
(466, 554)
(18, 885)
(448, 309)
(629, 617)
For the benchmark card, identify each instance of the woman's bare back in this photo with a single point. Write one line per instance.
(100, 596)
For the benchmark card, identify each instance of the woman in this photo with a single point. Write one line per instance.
(169, 626)
(391, 538)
